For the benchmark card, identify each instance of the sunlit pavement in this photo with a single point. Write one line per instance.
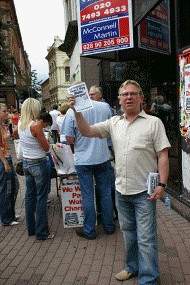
(70, 260)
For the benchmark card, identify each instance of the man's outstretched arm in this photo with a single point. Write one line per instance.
(84, 128)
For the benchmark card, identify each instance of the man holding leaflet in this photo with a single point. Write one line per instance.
(141, 146)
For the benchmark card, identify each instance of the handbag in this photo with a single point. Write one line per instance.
(51, 166)
(63, 159)
(19, 168)
(18, 149)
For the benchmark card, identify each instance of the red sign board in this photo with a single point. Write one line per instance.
(154, 30)
(105, 26)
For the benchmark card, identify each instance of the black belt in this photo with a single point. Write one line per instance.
(35, 160)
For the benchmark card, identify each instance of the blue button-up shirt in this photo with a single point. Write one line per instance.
(88, 151)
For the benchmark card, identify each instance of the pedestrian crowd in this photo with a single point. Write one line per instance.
(113, 156)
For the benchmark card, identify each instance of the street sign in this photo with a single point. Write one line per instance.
(154, 30)
(105, 25)
(142, 8)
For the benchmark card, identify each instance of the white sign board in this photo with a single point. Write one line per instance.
(73, 215)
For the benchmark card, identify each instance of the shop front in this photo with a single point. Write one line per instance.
(160, 35)
(155, 66)
(152, 62)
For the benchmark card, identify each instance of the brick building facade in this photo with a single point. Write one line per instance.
(10, 87)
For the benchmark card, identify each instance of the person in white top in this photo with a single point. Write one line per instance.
(60, 119)
(34, 147)
(54, 113)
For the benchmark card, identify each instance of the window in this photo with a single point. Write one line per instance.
(67, 73)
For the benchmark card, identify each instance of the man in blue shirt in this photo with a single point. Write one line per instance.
(92, 162)
(96, 94)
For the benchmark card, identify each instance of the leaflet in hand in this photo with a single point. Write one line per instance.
(82, 99)
(152, 182)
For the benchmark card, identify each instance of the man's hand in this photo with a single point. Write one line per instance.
(158, 191)
(71, 101)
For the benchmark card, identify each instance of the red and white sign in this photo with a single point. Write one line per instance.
(73, 215)
(105, 25)
(154, 30)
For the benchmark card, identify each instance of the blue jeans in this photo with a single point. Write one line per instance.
(112, 176)
(101, 174)
(9, 186)
(137, 218)
(36, 196)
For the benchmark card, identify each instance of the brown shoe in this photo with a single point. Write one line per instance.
(123, 275)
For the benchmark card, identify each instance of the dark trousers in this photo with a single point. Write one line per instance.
(9, 186)
(55, 136)
(11, 129)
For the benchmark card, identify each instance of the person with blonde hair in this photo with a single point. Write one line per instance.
(34, 147)
(8, 179)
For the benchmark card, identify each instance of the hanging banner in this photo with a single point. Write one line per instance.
(105, 25)
(154, 30)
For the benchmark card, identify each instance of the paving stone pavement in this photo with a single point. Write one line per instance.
(70, 260)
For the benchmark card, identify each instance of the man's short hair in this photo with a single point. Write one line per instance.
(129, 82)
(97, 88)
